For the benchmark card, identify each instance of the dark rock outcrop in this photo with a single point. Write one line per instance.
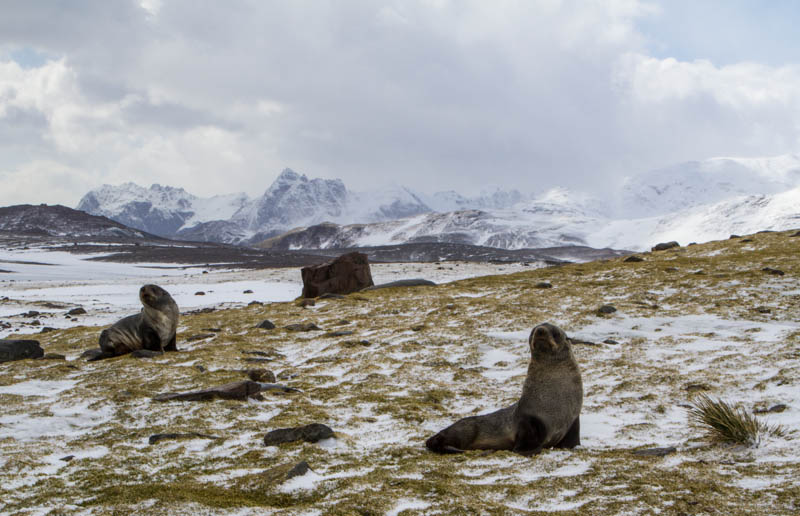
(665, 245)
(633, 259)
(347, 273)
(606, 309)
(309, 433)
(11, 350)
(266, 324)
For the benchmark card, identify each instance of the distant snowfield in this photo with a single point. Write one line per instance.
(108, 290)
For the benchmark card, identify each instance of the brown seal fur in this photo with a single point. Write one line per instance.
(547, 414)
(153, 328)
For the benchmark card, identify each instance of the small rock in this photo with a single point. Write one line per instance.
(671, 269)
(450, 306)
(543, 284)
(258, 303)
(342, 321)
(665, 245)
(199, 293)
(606, 309)
(67, 458)
(200, 368)
(309, 433)
(733, 236)
(36, 322)
(47, 329)
(76, 311)
(92, 354)
(655, 452)
(306, 302)
(303, 327)
(200, 336)
(13, 349)
(214, 330)
(776, 272)
(266, 324)
(258, 360)
(418, 327)
(248, 291)
(795, 235)
(300, 469)
(403, 283)
(32, 313)
(633, 259)
(745, 240)
(780, 407)
(763, 309)
(610, 341)
(261, 375)
(694, 387)
(339, 333)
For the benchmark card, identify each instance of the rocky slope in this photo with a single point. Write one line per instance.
(25, 220)
(698, 319)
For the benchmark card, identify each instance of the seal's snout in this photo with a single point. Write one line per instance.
(540, 333)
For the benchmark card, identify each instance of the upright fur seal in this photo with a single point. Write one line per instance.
(546, 415)
(153, 328)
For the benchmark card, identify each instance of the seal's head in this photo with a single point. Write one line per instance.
(548, 339)
(154, 296)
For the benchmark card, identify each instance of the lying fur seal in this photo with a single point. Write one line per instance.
(152, 329)
(546, 415)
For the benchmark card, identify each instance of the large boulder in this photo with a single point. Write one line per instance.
(347, 273)
(19, 350)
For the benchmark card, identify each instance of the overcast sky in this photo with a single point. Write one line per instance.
(219, 97)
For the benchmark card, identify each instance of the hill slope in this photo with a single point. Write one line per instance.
(703, 318)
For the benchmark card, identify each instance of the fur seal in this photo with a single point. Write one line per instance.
(547, 414)
(151, 329)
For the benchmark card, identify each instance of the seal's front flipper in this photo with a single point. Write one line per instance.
(171, 345)
(96, 354)
(531, 433)
(573, 435)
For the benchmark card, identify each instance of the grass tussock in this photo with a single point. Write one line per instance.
(727, 423)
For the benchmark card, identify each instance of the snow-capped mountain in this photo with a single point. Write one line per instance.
(161, 210)
(695, 183)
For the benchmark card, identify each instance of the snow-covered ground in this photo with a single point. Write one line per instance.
(53, 282)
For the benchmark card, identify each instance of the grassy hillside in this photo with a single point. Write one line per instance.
(697, 319)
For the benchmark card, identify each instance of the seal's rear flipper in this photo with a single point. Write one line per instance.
(95, 354)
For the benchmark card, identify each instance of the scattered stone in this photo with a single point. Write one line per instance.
(303, 327)
(450, 306)
(339, 333)
(257, 360)
(200, 368)
(206, 310)
(403, 283)
(13, 349)
(230, 391)
(93, 354)
(610, 341)
(655, 452)
(260, 375)
(671, 269)
(763, 309)
(36, 322)
(543, 284)
(665, 245)
(47, 329)
(200, 336)
(633, 259)
(199, 293)
(342, 321)
(583, 342)
(258, 303)
(300, 469)
(343, 275)
(248, 291)
(32, 313)
(153, 439)
(418, 327)
(780, 407)
(258, 353)
(745, 240)
(606, 309)
(145, 353)
(67, 458)
(214, 330)
(331, 295)
(77, 311)
(306, 302)
(266, 324)
(776, 272)
(733, 236)
(309, 433)
(694, 387)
